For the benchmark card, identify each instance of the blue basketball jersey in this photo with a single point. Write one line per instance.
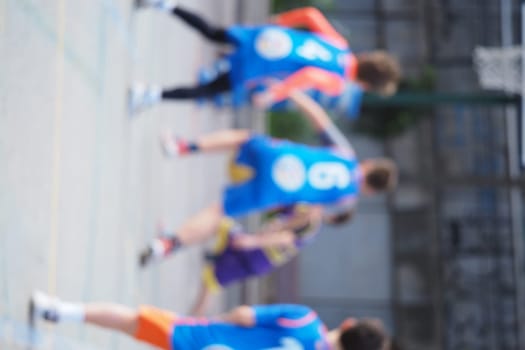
(276, 327)
(274, 51)
(287, 173)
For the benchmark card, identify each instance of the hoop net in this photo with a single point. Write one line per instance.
(499, 68)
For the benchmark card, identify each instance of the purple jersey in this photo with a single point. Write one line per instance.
(228, 264)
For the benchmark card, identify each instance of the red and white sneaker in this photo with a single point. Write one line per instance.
(159, 247)
(155, 251)
(172, 146)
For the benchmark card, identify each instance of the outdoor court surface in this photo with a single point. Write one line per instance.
(83, 186)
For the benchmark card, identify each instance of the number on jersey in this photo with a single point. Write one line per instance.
(312, 50)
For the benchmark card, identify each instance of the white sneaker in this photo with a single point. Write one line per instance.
(141, 97)
(170, 144)
(155, 251)
(167, 5)
(43, 306)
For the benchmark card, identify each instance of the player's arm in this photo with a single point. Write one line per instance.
(342, 211)
(282, 238)
(283, 232)
(266, 315)
(344, 215)
(304, 221)
(304, 79)
(314, 113)
(328, 133)
(312, 19)
(242, 316)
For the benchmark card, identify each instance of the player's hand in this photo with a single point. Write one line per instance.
(263, 100)
(244, 242)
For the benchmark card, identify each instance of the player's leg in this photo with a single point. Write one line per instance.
(202, 301)
(146, 324)
(211, 32)
(219, 141)
(210, 283)
(208, 30)
(217, 86)
(142, 96)
(111, 316)
(197, 229)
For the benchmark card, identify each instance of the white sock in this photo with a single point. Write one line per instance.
(71, 312)
(164, 5)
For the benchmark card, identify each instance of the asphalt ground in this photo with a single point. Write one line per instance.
(83, 185)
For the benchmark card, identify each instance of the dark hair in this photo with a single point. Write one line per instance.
(382, 175)
(380, 71)
(363, 336)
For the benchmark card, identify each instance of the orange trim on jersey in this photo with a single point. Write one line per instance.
(301, 322)
(155, 327)
(313, 19)
(308, 78)
(351, 68)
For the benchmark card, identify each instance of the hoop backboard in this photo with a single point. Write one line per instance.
(501, 68)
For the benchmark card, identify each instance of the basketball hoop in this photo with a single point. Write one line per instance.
(499, 68)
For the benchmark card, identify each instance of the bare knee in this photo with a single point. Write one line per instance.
(215, 210)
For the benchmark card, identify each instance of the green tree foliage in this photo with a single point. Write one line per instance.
(383, 122)
(284, 5)
(290, 125)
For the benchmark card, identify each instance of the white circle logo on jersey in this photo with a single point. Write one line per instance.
(289, 173)
(273, 44)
